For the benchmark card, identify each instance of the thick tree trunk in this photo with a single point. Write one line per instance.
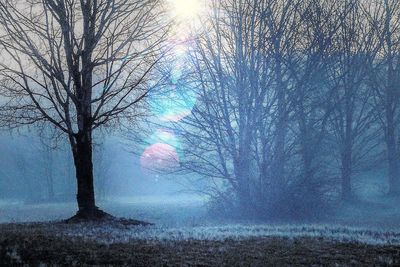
(82, 152)
(82, 149)
(84, 174)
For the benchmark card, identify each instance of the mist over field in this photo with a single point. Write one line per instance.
(200, 133)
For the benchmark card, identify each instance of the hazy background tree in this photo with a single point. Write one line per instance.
(384, 76)
(352, 122)
(312, 105)
(288, 110)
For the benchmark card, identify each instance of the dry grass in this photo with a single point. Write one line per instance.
(53, 244)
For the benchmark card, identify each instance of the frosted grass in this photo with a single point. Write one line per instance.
(111, 234)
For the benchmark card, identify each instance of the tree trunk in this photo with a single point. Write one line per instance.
(242, 170)
(347, 149)
(393, 161)
(50, 188)
(346, 175)
(49, 170)
(278, 170)
(84, 174)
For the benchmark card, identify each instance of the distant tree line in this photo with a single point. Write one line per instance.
(35, 170)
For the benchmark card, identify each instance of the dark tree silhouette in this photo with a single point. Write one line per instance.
(79, 65)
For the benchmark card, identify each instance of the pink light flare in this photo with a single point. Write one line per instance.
(159, 157)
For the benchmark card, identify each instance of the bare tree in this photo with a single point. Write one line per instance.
(385, 77)
(78, 65)
(271, 79)
(352, 120)
(242, 107)
(311, 100)
(280, 85)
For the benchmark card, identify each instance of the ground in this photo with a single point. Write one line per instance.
(233, 245)
(184, 235)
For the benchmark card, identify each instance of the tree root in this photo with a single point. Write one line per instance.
(99, 216)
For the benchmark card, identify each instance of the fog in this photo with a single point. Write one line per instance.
(200, 132)
(38, 184)
(30, 170)
(220, 106)
(28, 164)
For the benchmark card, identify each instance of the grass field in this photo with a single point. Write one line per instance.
(183, 234)
(231, 245)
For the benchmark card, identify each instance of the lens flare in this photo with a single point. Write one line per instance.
(159, 157)
(166, 136)
(175, 100)
(173, 103)
(176, 74)
(181, 50)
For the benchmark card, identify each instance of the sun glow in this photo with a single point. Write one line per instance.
(185, 10)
